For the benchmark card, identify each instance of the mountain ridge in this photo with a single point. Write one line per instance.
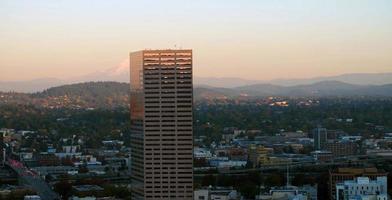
(122, 75)
(111, 94)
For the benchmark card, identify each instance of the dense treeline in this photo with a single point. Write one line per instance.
(369, 117)
(92, 125)
(366, 115)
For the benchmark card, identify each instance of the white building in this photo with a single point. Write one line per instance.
(217, 193)
(32, 197)
(351, 138)
(305, 192)
(201, 153)
(45, 170)
(362, 188)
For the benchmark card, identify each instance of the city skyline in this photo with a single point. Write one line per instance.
(267, 40)
(195, 100)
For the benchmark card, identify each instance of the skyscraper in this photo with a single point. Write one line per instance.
(320, 137)
(161, 124)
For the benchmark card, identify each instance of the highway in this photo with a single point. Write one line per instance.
(31, 179)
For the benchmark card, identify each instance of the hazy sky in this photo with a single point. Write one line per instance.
(248, 39)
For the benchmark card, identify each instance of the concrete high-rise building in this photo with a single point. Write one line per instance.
(2, 149)
(161, 104)
(320, 136)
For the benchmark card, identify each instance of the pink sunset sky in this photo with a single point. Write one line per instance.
(259, 40)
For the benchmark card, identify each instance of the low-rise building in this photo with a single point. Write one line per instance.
(228, 163)
(322, 156)
(201, 153)
(353, 138)
(306, 192)
(362, 188)
(386, 153)
(348, 174)
(342, 148)
(216, 193)
(45, 170)
(258, 155)
(87, 190)
(32, 197)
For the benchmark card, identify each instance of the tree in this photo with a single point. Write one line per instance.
(63, 188)
(208, 180)
(83, 169)
(274, 179)
(117, 191)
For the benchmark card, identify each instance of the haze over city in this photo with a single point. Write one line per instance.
(257, 40)
(195, 100)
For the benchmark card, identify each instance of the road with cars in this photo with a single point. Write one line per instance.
(33, 180)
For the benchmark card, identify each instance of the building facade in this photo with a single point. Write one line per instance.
(342, 148)
(217, 193)
(363, 188)
(161, 104)
(2, 150)
(320, 136)
(341, 175)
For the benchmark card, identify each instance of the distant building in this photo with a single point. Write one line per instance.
(362, 188)
(239, 132)
(380, 153)
(32, 197)
(320, 136)
(2, 149)
(87, 190)
(227, 137)
(258, 155)
(71, 148)
(237, 154)
(45, 159)
(306, 192)
(201, 153)
(226, 163)
(353, 138)
(298, 134)
(12, 191)
(349, 174)
(335, 134)
(229, 130)
(322, 156)
(216, 193)
(45, 170)
(342, 148)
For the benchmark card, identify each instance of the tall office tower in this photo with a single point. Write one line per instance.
(320, 137)
(161, 124)
(2, 149)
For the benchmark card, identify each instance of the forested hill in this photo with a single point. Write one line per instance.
(88, 89)
(80, 95)
(115, 94)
